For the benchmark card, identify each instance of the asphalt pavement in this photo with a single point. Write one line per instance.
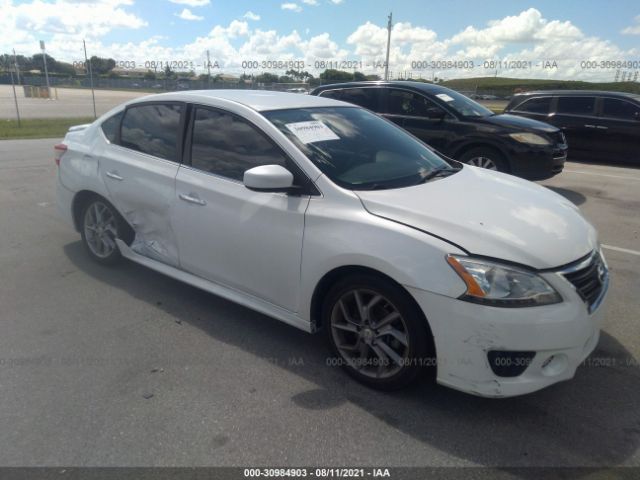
(125, 367)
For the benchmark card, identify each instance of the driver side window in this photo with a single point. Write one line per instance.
(401, 102)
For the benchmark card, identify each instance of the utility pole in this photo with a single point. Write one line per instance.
(386, 64)
(46, 72)
(15, 63)
(15, 98)
(88, 63)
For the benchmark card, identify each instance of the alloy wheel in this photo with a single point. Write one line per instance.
(370, 333)
(100, 229)
(482, 162)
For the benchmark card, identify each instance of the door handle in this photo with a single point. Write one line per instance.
(191, 199)
(114, 175)
(590, 126)
(602, 127)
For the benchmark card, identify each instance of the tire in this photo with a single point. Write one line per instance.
(100, 225)
(411, 342)
(485, 157)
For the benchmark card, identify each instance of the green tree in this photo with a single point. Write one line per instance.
(331, 75)
(102, 66)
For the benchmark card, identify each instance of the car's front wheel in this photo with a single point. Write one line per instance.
(376, 332)
(101, 225)
(485, 157)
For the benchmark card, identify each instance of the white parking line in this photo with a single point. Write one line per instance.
(630, 177)
(620, 249)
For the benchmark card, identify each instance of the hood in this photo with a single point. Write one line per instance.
(520, 123)
(491, 214)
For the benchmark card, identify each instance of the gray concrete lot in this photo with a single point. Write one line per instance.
(122, 366)
(71, 102)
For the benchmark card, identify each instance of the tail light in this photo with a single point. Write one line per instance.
(59, 151)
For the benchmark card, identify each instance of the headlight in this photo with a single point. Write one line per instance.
(530, 138)
(500, 285)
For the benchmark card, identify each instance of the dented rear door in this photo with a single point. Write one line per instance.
(139, 173)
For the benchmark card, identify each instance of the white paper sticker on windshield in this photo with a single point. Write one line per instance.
(445, 97)
(309, 132)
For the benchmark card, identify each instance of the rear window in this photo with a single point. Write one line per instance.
(111, 126)
(615, 108)
(576, 105)
(152, 129)
(535, 105)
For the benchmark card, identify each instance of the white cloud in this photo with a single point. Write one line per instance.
(186, 14)
(336, 2)
(251, 16)
(633, 29)
(294, 7)
(191, 3)
(311, 2)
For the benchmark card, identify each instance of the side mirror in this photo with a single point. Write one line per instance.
(435, 113)
(636, 115)
(268, 178)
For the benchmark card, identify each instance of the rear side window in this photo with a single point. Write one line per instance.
(535, 105)
(576, 105)
(152, 129)
(615, 108)
(335, 94)
(111, 126)
(227, 145)
(364, 97)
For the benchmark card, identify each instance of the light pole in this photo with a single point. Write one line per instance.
(46, 72)
(386, 63)
(87, 64)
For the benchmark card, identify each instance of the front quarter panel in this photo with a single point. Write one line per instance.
(339, 232)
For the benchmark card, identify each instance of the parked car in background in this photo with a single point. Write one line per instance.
(328, 217)
(598, 125)
(459, 127)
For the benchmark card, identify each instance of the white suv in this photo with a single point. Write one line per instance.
(328, 217)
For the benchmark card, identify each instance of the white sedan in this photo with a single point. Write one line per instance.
(330, 218)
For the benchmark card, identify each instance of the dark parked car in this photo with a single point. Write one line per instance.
(598, 125)
(459, 127)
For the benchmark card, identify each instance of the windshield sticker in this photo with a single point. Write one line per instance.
(309, 132)
(445, 97)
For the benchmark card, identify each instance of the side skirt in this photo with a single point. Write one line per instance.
(231, 294)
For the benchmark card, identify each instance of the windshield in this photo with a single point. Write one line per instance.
(357, 149)
(463, 105)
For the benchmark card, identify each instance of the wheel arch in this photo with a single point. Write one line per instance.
(324, 285)
(462, 149)
(80, 200)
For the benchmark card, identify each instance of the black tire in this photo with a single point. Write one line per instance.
(471, 157)
(419, 355)
(120, 230)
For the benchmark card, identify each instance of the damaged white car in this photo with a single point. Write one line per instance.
(328, 217)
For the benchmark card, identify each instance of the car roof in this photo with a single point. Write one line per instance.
(413, 85)
(259, 100)
(580, 93)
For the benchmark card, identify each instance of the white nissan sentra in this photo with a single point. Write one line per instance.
(330, 218)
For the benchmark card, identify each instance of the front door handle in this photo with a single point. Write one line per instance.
(114, 175)
(602, 127)
(191, 198)
(590, 126)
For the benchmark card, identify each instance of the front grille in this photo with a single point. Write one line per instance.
(590, 279)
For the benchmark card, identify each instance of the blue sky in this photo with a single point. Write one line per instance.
(568, 31)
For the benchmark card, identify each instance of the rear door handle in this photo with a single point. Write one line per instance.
(114, 175)
(602, 127)
(590, 126)
(191, 198)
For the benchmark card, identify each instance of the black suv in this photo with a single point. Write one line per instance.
(460, 128)
(598, 125)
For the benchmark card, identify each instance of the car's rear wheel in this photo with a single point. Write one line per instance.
(376, 332)
(485, 157)
(101, 225)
